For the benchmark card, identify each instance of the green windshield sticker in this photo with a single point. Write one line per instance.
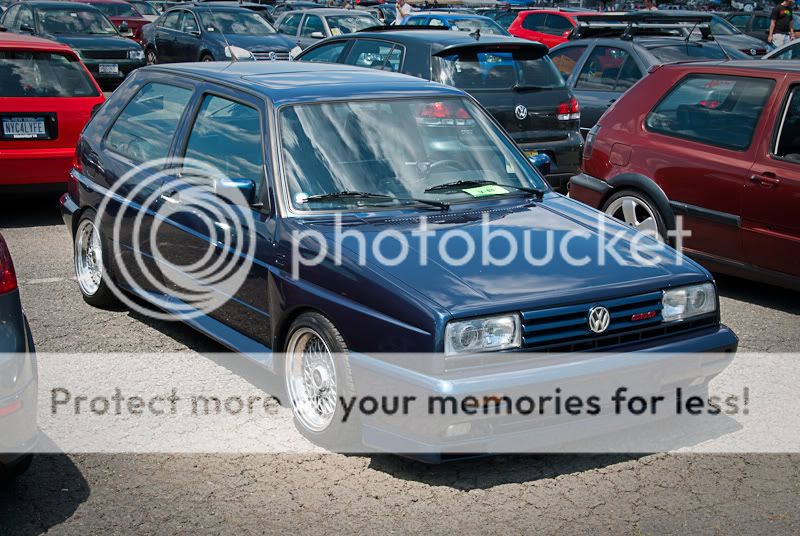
(482, 191)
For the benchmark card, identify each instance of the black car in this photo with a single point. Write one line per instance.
(108, 56)
(513, 78)
(309, 26)
(212, 32)
(18, 377)
(756, 23)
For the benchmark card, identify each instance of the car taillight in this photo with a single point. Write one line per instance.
(589, 142)
(568, 111)
(442, 113)
(8, 278)
(566, 33)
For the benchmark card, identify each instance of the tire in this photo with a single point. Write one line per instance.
(638, 210)
(313, 338)
(12, 471)
(206, 57)
(150, 56)
(88, 252)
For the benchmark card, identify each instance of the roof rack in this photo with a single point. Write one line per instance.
(398, 27)
(627, 26)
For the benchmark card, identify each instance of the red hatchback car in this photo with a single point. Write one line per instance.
(550, 27)
(46, 97)
(122, 14)
(716, 143)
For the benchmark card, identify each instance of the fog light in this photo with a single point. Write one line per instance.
(458, 429)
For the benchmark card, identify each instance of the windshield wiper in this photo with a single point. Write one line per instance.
(460, 184)
(368, 195)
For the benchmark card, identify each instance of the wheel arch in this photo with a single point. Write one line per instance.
(646, 186)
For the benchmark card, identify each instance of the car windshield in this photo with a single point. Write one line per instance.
(235, 22)
(43, 74)
(117, 10)
(470, 25)
(74, 21)
(145, 8)
(497, 70)
(687, 52)
(399, 148)
(345, 24)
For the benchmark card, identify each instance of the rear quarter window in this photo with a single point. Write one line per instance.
(722, 111)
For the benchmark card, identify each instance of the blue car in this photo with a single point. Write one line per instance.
(281, 209)
(464, 22)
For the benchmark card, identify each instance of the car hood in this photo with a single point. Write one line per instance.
(473, 287)
(261, 42)
(93, 42)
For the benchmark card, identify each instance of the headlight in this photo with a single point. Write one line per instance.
(482, 334)
(135, 55)
(238, 53)
(295, 52)
(686, 302)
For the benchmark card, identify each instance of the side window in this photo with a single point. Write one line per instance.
(227, 135)
(791, 53)
(417, 21)
(628, 75)
(9, 19)
(189, 23)
(534, 22)
(171, 20)
(290, 24)
(760, 23)
(557, 25)
(566, 59)
(713, 109)
(24, 18)
(788, 142)
(602, 68)
(374, 54)
(435, 22)
(326, 53)
(144, 129)
(312, 24)
(740, 21)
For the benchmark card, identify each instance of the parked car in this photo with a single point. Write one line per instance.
(756, 23)
(503, 16)
(18, 377)
(147, 10)
(294, 5)
(309, 26)
(386, 13)
(46, 97)
(599, 71)
(551, 27)
(108, 56)
(125, 17)
(200, 32)
(381, 150)
(512, 78)
(716, 143)
(455, 21)
(789, 51)
(724, 32)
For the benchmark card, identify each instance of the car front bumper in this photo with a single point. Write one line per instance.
(125, 67)
(35, 168)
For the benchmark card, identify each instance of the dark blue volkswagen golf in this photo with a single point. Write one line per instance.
(333, 222)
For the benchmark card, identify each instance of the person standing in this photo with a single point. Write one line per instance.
(781, 27)
(403, 9)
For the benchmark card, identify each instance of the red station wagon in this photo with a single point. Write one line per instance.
(717, 143)
(46, 97)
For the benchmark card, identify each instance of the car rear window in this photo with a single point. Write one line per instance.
(345, 24)
(713, 109)
(43, 74)
(497, 70)
(687, 52)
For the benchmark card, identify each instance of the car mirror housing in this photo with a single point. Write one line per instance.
(317, 35)
(233, 189)
(541, 162)
(26, 28)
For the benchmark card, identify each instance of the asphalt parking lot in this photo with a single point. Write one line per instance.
(328, 493)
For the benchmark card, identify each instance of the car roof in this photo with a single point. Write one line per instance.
(328, 11)
(14, 40)
(293, 82)
(61, 4)
(773, 66)
(440, 38)
(450, 15)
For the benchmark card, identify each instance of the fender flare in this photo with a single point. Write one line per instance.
(647, 186)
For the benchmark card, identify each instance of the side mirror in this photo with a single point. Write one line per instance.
(541, 162)
(26, 28)
(317, 35)
(235, 190)
(124, 27)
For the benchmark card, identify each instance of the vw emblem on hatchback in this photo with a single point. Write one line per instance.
(272, 56)
(753, 52)
(521, 112)
(599, 319)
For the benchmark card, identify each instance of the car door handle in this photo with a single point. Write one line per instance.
(172, 197)
(766, 180)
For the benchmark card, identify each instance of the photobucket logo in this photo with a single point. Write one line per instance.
(607, 242)
(180, 232)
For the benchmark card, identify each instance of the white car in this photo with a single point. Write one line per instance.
(789, 51)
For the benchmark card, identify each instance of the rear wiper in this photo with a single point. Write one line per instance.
(368, 195)
(460, 184)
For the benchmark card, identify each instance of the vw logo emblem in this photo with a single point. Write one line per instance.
(521, 112)
(599, 319)
(273, 56)
(753, 52)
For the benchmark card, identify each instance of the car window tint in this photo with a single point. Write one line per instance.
(312, 24)
(556, 24)
(473, 70)
(788, 144)
(419, 21)
(24, 18)
(534, 22)
(374, 54)
(791, 53)
(740, 21)
(9, 19)
(144, 129)
(189, 23)
(506, 20)
(171, 20)
(760, 23)
(325, 54)
(43, 74)
(628, 75)
(566, 59)
(227, 135)
(602, 68)
(687, 52)
(717, 110)
(290, 24)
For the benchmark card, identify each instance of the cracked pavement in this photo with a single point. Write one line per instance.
(331, 493)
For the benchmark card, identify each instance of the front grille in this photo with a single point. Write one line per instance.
(105, 54)
(265, 56)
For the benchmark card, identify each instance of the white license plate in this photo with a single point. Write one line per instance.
(109, 68)
(24, 128)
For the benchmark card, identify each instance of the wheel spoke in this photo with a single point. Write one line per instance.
(629, 211)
